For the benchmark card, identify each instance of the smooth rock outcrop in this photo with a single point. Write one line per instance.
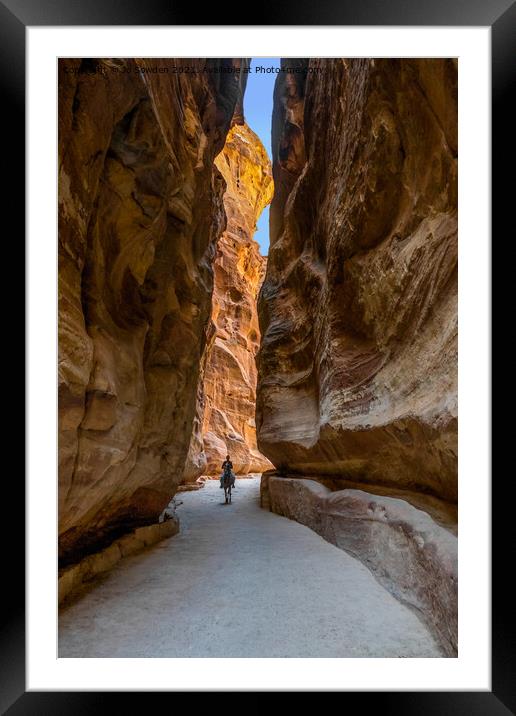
(357, 370)
(140, 212)
(407, 551)
(227, 386)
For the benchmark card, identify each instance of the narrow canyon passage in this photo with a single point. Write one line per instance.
(239, 581)
(323, 359)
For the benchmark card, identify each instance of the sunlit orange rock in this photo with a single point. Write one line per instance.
(228, 384)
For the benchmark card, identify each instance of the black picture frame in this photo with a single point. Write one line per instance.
(500, 16)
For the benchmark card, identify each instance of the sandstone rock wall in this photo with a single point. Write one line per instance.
(140, 211)
(412, 555)
(227, 390)
(358, 311)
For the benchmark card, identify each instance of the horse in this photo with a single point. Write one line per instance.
(228, 481)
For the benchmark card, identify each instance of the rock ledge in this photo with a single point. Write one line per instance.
(407, 551)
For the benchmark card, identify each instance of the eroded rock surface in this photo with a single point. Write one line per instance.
(409, 553)
(227, 391)
(358, 311)
(140, 211)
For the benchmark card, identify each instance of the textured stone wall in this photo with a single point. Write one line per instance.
(227, 390)
(140, 212)
(358, 311)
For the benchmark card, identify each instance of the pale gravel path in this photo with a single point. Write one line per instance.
(239, 581)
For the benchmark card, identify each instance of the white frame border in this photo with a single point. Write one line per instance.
(471, 670)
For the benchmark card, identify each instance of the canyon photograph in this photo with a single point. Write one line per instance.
(257, 279)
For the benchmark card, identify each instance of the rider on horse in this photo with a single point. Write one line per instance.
(227, 469)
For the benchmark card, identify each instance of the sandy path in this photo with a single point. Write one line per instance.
(239, 581)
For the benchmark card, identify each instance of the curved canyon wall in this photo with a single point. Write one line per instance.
(357, 370)
(225, 419)
(140, 212)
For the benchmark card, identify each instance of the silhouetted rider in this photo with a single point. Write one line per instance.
(227, 469)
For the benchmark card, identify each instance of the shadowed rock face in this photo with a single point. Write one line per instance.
(227, 391)
(140, 211)
(357, 371)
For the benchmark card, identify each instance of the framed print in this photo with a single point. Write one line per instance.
(262, 261)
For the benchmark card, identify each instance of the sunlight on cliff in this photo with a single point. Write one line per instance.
(225, 420)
